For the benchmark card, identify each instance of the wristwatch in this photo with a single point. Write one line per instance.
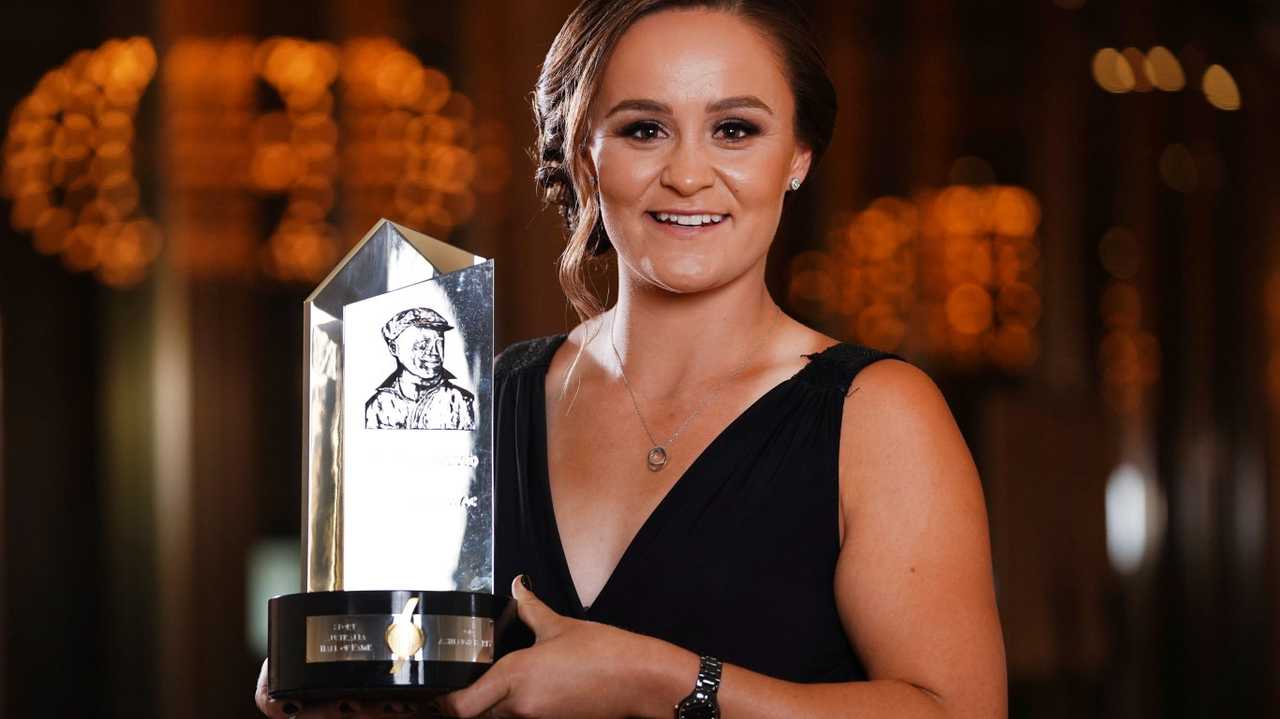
(701, 703)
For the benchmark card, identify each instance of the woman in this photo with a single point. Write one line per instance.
(695, 482)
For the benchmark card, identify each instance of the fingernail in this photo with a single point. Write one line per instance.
(291, 708)
(526, 581)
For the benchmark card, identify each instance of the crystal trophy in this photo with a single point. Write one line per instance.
(397, 486)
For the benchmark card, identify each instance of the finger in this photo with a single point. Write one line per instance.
(272, 707)
(492, 687)
(538, 616)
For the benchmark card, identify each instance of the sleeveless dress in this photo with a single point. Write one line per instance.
(738, 559)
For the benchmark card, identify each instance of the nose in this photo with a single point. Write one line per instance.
(687, 170)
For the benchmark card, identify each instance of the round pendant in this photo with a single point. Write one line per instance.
(657, 459)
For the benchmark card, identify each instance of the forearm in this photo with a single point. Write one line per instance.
(667, 673)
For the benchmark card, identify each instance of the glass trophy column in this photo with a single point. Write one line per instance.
(397, 493)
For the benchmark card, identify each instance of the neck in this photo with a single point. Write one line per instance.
(671, 343)
(411, 384)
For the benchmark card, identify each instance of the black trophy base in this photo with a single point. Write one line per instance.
(329, 645)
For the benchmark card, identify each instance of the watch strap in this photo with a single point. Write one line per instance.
(701, 702)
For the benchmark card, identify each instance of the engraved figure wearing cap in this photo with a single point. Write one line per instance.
(419, 395)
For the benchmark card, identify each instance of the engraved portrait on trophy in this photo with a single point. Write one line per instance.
(416, 391)
(421, 393)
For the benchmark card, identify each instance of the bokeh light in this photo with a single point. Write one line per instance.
(1112, 71)
(359, 131)
(1220, 88)
(1128, 355)
(952, 272)
(1137, 63)
(69, 163)
(1164, 70)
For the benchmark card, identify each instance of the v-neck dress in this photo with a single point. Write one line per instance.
(738, 559)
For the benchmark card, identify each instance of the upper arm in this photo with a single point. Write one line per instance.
(914, 581)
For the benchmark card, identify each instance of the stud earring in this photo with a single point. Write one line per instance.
(795, 183)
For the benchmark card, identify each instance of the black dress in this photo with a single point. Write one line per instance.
(737, 561)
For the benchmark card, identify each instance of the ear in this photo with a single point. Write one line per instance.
(800, 163)
(587, 162)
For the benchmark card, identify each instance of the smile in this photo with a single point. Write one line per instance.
(691, 220)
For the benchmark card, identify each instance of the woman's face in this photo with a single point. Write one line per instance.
(693, 143)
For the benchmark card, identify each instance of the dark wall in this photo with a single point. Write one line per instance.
(52, 610)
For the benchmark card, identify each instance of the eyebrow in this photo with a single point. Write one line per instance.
(728, 103)
(740, 101)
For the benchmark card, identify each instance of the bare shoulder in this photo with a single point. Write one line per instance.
(914, 579)
(574, 355)
(900, 447)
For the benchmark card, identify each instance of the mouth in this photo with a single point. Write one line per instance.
(687, 223)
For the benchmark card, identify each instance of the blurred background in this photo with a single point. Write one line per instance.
(1064, 210)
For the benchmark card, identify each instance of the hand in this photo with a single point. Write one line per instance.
(575, 670)
(342, 708)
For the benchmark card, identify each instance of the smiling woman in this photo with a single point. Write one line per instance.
(721, 507)
(592, 90)
(701, 150)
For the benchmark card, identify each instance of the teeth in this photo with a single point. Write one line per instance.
(688, 220)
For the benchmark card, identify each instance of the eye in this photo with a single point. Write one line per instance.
(643, 131)
(736, 130)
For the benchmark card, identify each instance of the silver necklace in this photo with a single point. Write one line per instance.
(656, 457)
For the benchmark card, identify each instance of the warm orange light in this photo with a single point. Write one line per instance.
(962, 210)
(880, 326)
(400, 79)
(68, 157)
(1018, 303)
(410, 145)
(1014, 212)
(810, 281)
(1220, 88)
(951, 272)
(314, 129)
(120, 192)
(969, 308)
(51, 230)
(1136, 63)
(1164, 69)
(81, 250)
(271, 127)
(1112, 71)
(275, 167)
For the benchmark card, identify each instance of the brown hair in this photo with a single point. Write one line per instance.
(571, 75)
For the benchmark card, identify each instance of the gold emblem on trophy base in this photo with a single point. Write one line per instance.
(404, 638)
